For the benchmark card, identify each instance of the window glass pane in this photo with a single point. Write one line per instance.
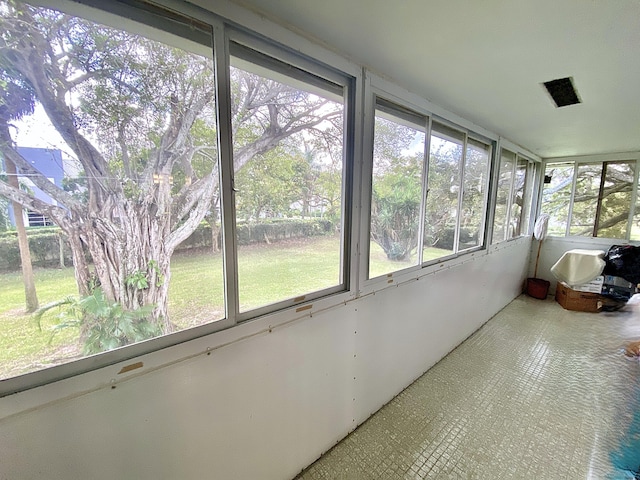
(529, 190)
(118, 137)
(617, 189)
(556, 196)
(288, 159)
(501, 227)
(585, 200)
(444, 187)
(517, 202)
(396, 198)
(476, 171)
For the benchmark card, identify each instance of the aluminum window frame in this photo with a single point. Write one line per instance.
(531, 194)
(597, 160)
(375, 87)
(374, 93)
(478, 137)
(302, 67)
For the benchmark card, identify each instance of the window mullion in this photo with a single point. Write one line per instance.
(225, 142)
(576, 167)
(507, 235)
(425, 189)
(596, 221)
(483, 239)
(463, 159)
(634, 200)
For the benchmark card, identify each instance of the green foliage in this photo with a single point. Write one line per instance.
(395, 210)
(104, 325)
(44, 244)
(139, 280)
(276, 229)
(267, 186)
(442, 201)
(396, 188)
(76, 186)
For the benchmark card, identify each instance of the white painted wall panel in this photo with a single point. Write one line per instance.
(265, 406)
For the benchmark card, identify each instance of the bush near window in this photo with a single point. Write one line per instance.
(44, 243)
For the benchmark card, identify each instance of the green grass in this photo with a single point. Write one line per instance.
(23, 346)
(379, 264)
(266, 274)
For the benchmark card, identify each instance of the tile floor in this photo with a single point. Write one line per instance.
(537, 393)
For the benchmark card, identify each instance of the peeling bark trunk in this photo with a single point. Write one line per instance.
(30, 294)
(127, 247)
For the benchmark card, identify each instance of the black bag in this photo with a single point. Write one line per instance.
(623, 261)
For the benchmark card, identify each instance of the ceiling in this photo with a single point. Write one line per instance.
(486, 60)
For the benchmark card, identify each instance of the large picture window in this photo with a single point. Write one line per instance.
(134, 118)
(137, 187)
(591, 199)
(288, 154)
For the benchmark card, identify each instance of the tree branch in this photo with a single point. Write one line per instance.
(34, 175)
(57, 214)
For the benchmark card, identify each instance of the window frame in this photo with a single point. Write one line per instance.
(399, 106)
(601, 159)
(530, 193)
(375, 86)
(324, 73)
(467, 134)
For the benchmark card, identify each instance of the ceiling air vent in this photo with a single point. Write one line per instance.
(562, 92)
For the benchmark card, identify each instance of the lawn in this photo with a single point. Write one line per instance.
(267, 273)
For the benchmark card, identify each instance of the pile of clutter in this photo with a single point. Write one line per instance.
(594, 281)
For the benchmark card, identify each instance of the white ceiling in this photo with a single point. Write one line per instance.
(485, 61)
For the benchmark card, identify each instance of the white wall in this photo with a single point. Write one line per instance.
(260, 407)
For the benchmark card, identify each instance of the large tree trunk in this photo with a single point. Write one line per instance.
(130, 256)
(31, 296)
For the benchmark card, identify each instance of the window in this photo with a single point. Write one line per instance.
(36, 219)
(160, 242)
(288, 151)
(396, 191)
(593, 199)
(138, 205)
(474, 194)
(513, 196)
(556, 196)
(456, 201)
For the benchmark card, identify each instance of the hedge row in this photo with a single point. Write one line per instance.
(45, 243)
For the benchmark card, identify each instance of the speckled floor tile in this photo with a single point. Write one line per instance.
(538, 392)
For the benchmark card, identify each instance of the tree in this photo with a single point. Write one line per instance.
(601, 200)
(395, 211)
(267, 187)
(442, 200)
(16, 102)
(396, 189)
(138, 116)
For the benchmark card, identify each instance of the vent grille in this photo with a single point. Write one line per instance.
(562, 92)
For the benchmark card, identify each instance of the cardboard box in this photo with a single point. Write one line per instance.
(579, 301)
(594, 286)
